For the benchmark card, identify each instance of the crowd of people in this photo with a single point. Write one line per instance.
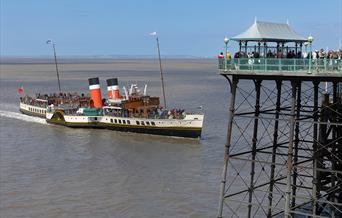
(161, 113)
(43, 100)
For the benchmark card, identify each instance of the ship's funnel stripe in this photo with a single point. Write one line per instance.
(96, 86)
(110, 88)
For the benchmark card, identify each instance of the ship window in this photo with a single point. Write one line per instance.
(115, 121)
(119, 121)
(128, 122)
(124, 121)
(138, 123)
(153, 123)
(142, 123)
(147, 123)
(95, 118)
(196, 118)
(111, 120)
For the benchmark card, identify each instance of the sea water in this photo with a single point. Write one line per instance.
(54, 171)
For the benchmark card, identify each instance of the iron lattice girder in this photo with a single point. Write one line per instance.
(265, 142)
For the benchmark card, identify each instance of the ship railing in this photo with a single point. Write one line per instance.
(281, 64)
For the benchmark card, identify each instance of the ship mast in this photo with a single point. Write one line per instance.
(54, 53)
(161, 69)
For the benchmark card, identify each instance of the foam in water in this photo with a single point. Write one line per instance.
(23, 117)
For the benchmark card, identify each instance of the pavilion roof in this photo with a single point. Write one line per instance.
(271, 32)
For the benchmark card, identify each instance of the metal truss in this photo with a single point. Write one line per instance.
(283, 152)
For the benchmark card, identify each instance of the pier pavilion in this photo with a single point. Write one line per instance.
(283, 150)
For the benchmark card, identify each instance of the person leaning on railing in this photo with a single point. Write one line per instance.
(221, 60)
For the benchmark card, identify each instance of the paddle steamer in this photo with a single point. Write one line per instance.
(135, 111)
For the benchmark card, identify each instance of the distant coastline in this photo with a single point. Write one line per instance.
(82, 59)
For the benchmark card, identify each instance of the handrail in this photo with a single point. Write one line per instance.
(281, 64)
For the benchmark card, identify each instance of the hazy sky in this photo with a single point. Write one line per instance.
(185, 27)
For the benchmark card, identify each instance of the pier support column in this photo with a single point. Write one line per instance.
(228, 143)
(315, 190)
(254, 143)
(334, 153)
(296, 144)
(274, 148)
(294, 85)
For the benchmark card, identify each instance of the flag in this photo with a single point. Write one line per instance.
(153, 34)
(48, 41)
(21, 90)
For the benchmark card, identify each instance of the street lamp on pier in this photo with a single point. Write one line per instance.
(310, 40)
(226, 40)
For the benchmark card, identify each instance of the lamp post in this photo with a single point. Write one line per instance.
(54, 52)
(160, 66)
(310, 40)
(305, 55)
(306, 48)
(226, 40)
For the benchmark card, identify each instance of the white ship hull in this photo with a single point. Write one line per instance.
(190, 126)
(32, 110)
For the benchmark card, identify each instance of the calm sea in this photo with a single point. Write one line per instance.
(53, 171)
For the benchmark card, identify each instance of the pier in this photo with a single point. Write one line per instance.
(283, 150)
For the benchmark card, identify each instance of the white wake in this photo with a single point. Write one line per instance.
(23, 117)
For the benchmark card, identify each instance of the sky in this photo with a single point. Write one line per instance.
(184, 27)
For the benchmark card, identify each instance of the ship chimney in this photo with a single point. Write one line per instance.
(95, 92)
(113, 89)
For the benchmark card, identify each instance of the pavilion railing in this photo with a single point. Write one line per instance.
(281, 64)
